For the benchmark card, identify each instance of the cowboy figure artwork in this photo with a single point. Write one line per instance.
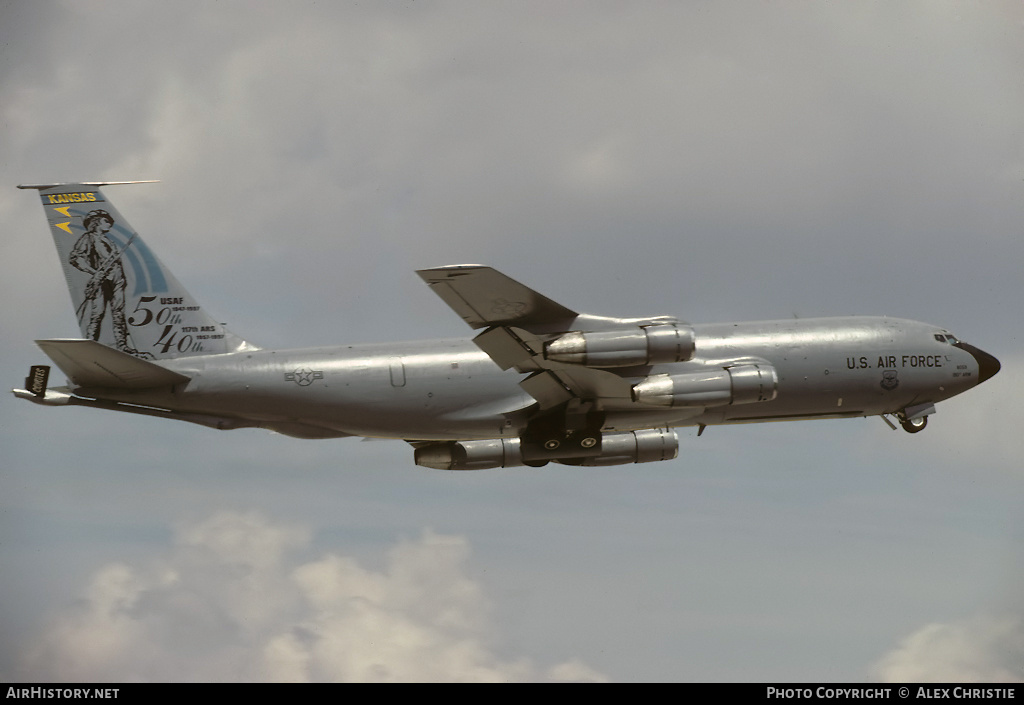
(97, 255)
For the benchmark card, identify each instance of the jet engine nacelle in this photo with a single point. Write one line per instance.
(470, 455)
(645, 446)
(742, 384)
(648, 345)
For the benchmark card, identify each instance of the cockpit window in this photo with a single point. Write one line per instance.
(940, 337)
(946, 338)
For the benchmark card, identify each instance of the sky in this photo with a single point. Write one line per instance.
(712, 161)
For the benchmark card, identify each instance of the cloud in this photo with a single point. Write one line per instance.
(232, 600)
(982, 649)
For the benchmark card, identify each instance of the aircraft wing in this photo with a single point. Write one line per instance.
(519, 322)
(484, 297)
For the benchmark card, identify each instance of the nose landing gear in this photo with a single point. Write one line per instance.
(913, 419)
(914, 425)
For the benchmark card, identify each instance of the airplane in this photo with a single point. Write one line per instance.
(539, 383)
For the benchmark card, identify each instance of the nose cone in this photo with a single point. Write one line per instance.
(987, 364)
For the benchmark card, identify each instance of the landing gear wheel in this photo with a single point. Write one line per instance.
(914, 425)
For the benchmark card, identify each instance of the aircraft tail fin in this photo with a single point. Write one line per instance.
(124, 296)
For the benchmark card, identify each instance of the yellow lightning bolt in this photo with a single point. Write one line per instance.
(66, 227)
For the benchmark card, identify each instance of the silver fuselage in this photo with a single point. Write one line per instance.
(449, 389)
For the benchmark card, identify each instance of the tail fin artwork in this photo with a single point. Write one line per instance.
(124, 297)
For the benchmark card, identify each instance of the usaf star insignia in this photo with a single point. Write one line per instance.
(303, 376)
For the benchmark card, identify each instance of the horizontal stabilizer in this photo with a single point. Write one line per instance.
(91, 364)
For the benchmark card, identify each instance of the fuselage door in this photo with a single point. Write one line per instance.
(397, 368)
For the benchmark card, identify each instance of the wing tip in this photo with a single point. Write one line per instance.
(447, 270)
